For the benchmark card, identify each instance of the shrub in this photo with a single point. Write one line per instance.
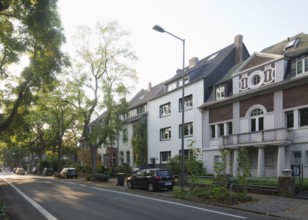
(98, 177)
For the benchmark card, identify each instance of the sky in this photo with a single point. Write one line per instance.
(206, 25)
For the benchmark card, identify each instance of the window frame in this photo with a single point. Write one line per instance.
(168, 156)
(302, 64)
(166, 130)
(187, 100)
(162, 108)
(125, 135)
(220, 92)
(303, 117)
(187, 127)
(289, 117)
(256, 120)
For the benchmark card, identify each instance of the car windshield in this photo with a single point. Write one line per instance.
(163, 173)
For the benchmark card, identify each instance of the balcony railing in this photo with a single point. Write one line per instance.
(274, 136)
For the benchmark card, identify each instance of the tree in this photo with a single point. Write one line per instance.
(139, 143)
(103, 70)
(28, 28)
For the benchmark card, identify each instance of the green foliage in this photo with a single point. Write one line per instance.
(211, 193)
(28, 28)
(173, 165)
(220, 169)
(48, 163)
(3, 212)
(243, 172)
(98, 177)
(139, 143)
(192, 163)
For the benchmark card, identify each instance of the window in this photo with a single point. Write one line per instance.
(171, 86)
(229, 127)
(306, 157)
(256, 80)
(221, 130)
(165, 133)
(297, 157)
(128, 157)
(186, 80)
(125, 135)
(256, 120)
(269, 159)
(290, 43)
(213, 135)
(141, 109)
(165, 156)
(216, 160)
(290, 119)
(303, 116)
(114, 159)
(220, 92)
(165, 110)
(212, 56)
(188, 129)
(302, 66)
(188, 102)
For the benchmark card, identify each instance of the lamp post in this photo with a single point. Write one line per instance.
(162, 30)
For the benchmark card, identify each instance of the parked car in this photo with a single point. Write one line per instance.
(48, 171)
(34, 170)
(151, 179)
(20, 171)
(69, 172)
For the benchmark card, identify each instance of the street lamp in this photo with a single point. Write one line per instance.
(162, 30)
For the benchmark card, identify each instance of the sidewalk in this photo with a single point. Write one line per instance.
(277, 206)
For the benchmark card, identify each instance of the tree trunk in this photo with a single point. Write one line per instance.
(93, 150)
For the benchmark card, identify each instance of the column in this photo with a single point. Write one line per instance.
(280, 160)
(261, 162)
(235, 162)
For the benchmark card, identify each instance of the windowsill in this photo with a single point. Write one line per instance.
(163, 116)
(187, 136)
(186, 109)
(301, 74)
(165, 139)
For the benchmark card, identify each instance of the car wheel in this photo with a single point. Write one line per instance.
(129, 185)
(151, 187)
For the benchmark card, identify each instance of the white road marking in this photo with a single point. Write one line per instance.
(43, 211)
(173, 203)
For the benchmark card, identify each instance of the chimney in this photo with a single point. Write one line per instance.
(149, 86)
(238, 42)
(193, 62)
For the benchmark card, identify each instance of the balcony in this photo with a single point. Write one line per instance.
(280, 136)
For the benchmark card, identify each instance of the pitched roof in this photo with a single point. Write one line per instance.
(143, 96)
(300, 47)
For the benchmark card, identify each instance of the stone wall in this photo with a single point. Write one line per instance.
(286, 186)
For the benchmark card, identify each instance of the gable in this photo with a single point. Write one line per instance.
(258, 60)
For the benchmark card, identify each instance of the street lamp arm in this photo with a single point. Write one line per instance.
(162, 30)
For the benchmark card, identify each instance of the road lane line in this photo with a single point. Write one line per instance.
(43, 211)
(173, 203)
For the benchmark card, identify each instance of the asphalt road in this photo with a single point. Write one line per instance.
(49, 198)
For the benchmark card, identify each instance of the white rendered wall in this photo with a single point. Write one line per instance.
(155, 122)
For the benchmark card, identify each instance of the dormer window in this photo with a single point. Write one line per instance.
(220, 92)
(186, 80)
(212, 56)
(291, 43)
(171, 86)
(302, 66)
